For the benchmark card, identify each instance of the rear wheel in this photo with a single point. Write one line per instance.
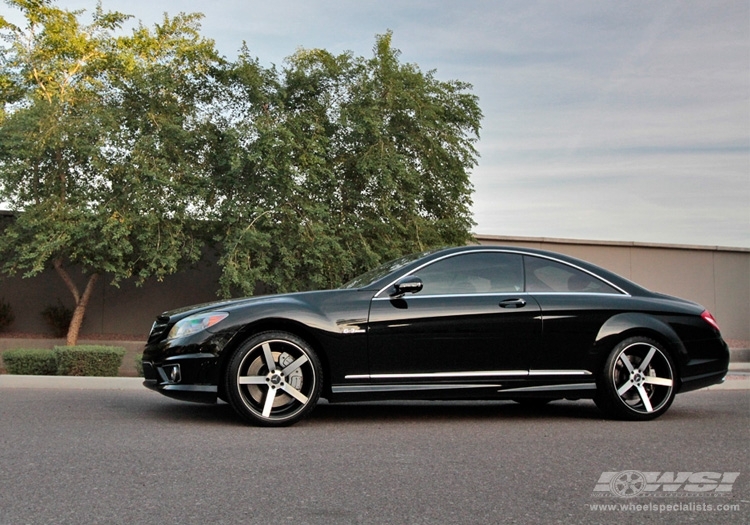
(274, 379)
(638, 380)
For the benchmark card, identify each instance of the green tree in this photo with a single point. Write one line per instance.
(102, 145)
(126, 154)
(341, 163)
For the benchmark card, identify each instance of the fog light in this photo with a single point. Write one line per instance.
(173, 373)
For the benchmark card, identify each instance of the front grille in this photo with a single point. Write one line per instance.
(159, 329)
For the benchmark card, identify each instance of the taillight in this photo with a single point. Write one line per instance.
(710, 319)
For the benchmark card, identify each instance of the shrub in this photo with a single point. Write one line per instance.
(30, 361)
(6, 315)
(58, 318)
(139, 365)
(88, 360)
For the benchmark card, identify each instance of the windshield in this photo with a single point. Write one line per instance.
(381, 271)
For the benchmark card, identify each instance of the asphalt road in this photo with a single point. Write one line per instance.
(131, 456)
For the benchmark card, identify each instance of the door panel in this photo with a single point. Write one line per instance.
(439, 334)
(471, 316)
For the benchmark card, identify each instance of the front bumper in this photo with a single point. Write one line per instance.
(188, 377)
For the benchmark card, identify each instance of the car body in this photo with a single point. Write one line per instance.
(472, 322)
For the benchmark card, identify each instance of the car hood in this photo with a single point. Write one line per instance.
(180, 313)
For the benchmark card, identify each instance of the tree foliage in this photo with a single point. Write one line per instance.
(100, 145)
(128, 153)
(351, 162)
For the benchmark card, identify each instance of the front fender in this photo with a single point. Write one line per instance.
(333, 312)
(334, 323)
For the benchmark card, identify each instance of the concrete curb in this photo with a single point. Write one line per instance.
(71, 382)
(735, 380)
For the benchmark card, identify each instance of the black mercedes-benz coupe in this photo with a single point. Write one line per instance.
(478, 322)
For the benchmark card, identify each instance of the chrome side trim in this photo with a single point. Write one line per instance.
(192, 388)
(443, 375)
(180, 357)
(559, 373)
(552, 388)
(353, 389)
(480, 373)
(510, 294)
(349, 389)
(454, 295)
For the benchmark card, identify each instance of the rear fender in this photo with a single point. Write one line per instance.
(621, 326)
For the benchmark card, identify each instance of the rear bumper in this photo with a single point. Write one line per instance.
(707, 368)
(702, 381)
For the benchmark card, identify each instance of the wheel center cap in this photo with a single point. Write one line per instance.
(637, 378)
(275, 379)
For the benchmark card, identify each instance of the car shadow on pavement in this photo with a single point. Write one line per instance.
(173, 411)
(699, 407)
(399, 412)
(434, 411)
(383, 412)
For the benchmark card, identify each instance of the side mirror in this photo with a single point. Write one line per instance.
(408, 284)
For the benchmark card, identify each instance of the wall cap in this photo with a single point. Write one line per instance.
(626, 244)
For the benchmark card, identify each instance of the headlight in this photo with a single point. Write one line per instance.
(196, 323)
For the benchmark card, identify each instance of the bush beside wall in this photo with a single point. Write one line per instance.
(88, 360)
(30, 361)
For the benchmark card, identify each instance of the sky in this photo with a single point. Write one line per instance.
(610, 121)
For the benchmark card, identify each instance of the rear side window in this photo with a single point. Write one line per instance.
(544, 275)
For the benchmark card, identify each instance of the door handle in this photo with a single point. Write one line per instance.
(512, 303)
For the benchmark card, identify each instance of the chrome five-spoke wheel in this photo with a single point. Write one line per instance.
(638, 381)
(274, 379)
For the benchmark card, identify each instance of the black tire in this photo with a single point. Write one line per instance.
(274, 379)
(638, 381)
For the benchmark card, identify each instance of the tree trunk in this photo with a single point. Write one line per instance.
(81, 300)
(80, 311)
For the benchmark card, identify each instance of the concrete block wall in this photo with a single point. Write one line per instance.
(718, 278)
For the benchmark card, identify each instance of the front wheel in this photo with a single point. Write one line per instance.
(638, 380)
(274, 379)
